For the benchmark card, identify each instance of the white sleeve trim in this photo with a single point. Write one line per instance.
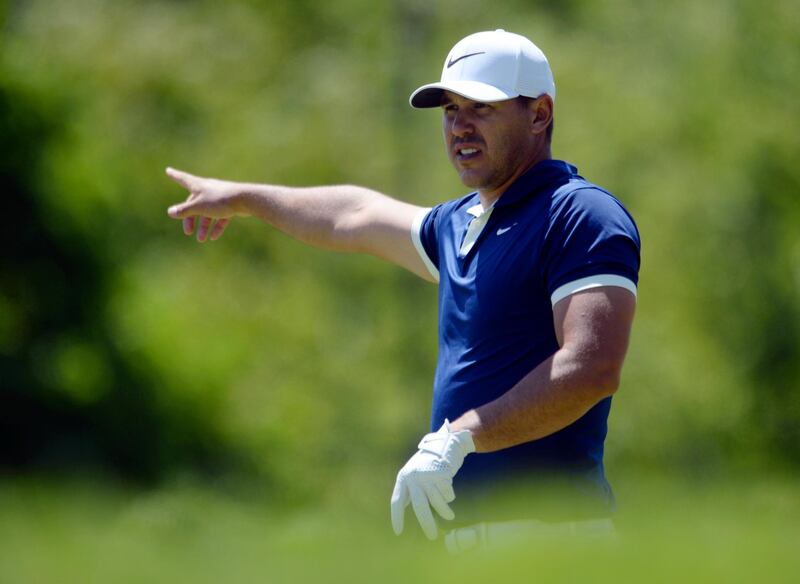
(591, 282)
(416, 227)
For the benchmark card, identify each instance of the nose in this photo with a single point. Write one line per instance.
(461, 125)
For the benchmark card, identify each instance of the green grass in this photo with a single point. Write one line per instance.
(710, 531)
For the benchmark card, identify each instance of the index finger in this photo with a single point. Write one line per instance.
(182, 178)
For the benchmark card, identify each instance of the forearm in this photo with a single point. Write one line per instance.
(328, 216)
(552, 396)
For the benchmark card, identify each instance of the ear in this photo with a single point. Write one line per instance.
(541, 113)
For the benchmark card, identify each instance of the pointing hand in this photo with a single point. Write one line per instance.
(208, 199)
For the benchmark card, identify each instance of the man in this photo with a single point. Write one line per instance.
(537, 273)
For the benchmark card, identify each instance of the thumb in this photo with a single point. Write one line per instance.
(183, 210)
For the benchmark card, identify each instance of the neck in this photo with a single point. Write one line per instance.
(490, 196)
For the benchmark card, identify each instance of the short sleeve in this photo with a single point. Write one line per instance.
(424, 234)
(590, 238)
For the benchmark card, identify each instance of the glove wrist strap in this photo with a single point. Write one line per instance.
(439, 442)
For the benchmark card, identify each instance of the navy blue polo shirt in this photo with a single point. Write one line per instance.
(552, 233)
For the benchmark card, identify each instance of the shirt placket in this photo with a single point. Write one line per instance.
(480, 218)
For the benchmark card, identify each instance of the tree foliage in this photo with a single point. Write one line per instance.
(126, 345)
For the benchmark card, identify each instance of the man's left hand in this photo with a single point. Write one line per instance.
(427, 478)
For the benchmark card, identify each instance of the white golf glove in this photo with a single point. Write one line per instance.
(427, 478)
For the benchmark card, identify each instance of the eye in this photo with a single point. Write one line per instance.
(450, 107)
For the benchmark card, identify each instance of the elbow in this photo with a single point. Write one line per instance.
(608, 385)
(347, 231)
(604, 379)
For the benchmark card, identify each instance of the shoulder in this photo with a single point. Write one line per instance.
(447, 209)
(579, 195)
(460, 203)
(579, 202)
(430, 228)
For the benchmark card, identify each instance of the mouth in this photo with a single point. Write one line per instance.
(465, 153)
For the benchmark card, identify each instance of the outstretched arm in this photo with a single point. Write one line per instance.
(341, 218)
(592, 328)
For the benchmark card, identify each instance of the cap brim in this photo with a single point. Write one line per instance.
(430, 95)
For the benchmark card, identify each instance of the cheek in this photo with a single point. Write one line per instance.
(446, 135)
(511, 141)
(447, 126)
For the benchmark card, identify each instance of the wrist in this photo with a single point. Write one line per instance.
(463, 437)
(244, 198)
(470, 423)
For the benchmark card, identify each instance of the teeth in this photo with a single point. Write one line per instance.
(468, 150)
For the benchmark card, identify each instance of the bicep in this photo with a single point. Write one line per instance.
(596, 323)
(383, 228)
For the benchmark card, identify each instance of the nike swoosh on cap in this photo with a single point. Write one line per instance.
(452, 62)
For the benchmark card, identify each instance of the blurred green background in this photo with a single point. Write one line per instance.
(253, 395)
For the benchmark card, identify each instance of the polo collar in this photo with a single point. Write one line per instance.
(478, 210)
(542, 175)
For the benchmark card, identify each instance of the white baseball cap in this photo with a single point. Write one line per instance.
(490, 66)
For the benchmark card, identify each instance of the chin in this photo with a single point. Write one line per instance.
(472, 181)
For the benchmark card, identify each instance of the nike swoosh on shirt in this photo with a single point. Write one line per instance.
(452, 62)
(502, 230)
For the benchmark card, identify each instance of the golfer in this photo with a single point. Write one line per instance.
(537, 271)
